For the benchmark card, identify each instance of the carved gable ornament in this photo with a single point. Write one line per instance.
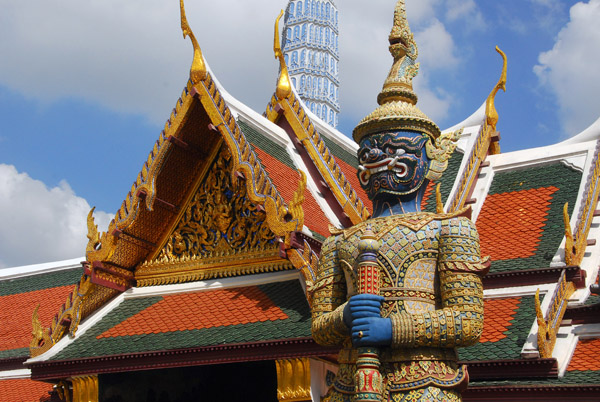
(220, 233)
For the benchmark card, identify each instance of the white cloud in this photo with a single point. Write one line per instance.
(467, 10)
(131, 57)
(570, 68)
(41, 224)
(364, 48)
(436, 47)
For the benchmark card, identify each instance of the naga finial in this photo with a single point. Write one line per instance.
(491, 114)
(284, 86)
(198, 70)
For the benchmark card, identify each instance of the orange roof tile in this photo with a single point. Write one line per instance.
(199, 310)
(586, 355)
(497, 318)
(286, 180)
(16, 312)
(511, 224)
(24, 390)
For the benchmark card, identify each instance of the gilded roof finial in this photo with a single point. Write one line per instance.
(490, 108)
(198, 70)
(284, 87)
(397, 100)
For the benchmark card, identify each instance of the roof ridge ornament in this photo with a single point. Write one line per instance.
(491, 114)
(198, 71)
(397, 101)
(284, 86)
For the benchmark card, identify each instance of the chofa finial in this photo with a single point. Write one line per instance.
(490, 108)
(198, 70)
(284, 86)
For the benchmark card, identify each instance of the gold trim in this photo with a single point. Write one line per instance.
(320, 154)
(482, 147)
(213, 265)
(41, 341)
(439, 204)
(293, 380)
(549, 325)
(576, 244)
(261, 190)
(305, 261)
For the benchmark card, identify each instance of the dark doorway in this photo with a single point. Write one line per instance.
(253, 381)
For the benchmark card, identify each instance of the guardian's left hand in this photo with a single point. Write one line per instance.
(372, 331)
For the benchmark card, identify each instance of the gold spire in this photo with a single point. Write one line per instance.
(397, 100)
(198, 70)
(284, 87)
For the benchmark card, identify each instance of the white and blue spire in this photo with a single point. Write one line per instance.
(311, 53)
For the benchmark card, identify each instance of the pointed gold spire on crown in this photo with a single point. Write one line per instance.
(397, 100)
(284, 86)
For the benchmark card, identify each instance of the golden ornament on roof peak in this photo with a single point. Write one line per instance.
(198, 70)
(284, 86)
(397, 100)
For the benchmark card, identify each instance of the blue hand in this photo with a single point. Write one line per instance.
(372, 331)
(362, 306)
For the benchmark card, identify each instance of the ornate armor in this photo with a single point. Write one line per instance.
(429, 278)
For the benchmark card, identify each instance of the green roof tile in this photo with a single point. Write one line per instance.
(510, 346)
(41, 281)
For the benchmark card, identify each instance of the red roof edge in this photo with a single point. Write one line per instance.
(266, 350)
(15, 363)
(496, 280)
(510, 369)
(546, 393)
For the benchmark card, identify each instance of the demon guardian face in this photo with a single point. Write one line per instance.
(392, 163)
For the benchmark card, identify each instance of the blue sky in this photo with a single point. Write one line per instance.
(85, 88)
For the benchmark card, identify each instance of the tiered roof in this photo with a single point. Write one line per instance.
(211, 258)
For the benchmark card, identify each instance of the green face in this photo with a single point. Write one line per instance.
(392, 163)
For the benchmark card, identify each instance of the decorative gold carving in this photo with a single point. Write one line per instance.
(211, 265)
(293, 380)
(198, 70)
(63, 389)
(573, 253)
(99, 248)
(482, 146)
(549, 325)
(490, 108)
(68, 318)
(143, 189)
(575, 244)
(282, 221)
(40, 341)
(284, 86)
(324, 161)
(220, 217)
(440, 152)
(85, 388)
(439, 204)
(305, 261)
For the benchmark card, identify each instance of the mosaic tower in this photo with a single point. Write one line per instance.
(311, 54)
